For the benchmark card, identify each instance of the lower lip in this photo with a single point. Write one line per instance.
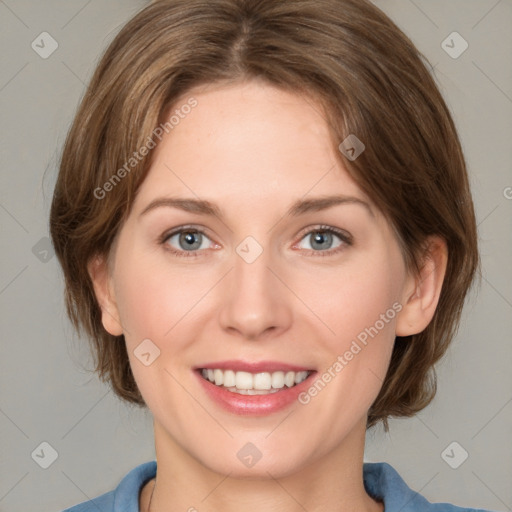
(253, 405)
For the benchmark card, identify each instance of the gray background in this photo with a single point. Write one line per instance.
(47, 393)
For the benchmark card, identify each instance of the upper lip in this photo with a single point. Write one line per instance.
(253, 366)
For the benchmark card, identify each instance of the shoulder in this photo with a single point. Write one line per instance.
(125, 497)
(104, 502)
(383, 482)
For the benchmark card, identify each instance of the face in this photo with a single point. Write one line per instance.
(264, 286)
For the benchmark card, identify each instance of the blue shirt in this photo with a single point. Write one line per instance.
(381, 482)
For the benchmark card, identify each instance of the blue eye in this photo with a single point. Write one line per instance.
(322, 239)
(189, 241)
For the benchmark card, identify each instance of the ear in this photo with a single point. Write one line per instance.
(103, 289)
(421, 293)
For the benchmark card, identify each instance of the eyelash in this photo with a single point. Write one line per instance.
(344, 236)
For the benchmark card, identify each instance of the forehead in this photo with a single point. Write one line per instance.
(244, 142)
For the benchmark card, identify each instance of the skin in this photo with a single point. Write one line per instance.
(253, 150)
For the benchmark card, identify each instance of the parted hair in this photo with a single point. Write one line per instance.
(350, 59)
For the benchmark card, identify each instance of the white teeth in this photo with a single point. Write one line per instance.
(243, 380)
(218, 376)
(262, 381)
(247, 383)
(278, 380)
(229, 378)
(300, 376)
(252, 391)
(289, 379)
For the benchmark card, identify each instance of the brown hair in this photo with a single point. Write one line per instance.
(347, 56)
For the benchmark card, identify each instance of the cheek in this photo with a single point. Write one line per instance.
(153, 303)
(356, 298)
(360, 305)
(153, 296)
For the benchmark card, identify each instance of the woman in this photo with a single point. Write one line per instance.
(220, 144)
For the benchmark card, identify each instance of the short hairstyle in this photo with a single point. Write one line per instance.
(345, 55)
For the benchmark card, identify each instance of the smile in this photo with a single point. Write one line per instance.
(261, 383)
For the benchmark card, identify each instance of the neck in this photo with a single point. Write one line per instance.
(332, 482)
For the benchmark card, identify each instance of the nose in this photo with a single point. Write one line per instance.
(256, 304)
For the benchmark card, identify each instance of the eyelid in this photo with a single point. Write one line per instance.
(345, 237)
(186, 227)
(179, 229)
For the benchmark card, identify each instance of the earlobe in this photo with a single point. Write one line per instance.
(101, 280)
(422, 292)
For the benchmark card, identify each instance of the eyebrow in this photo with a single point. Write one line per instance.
(299, 207)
